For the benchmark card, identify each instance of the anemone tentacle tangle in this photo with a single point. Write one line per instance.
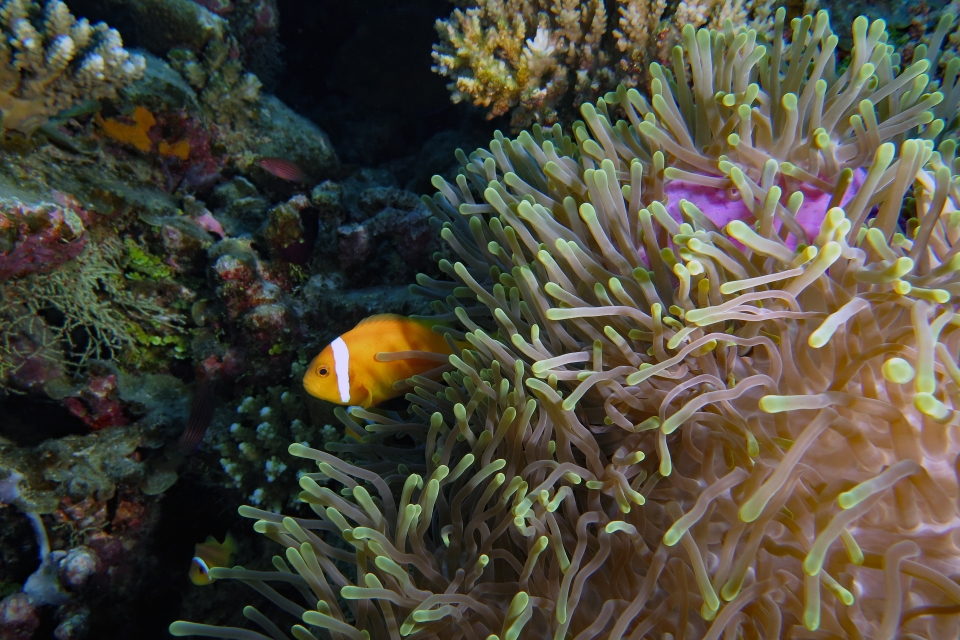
(671, 420)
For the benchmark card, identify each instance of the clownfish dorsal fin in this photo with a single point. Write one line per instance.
(229, 543)
(426, 321)
(381, 317)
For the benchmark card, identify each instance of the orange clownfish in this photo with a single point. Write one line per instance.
(347, 371)
(208, 555)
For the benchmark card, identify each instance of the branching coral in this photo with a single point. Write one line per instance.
(254, 448)
(504, 54)
(218, 77)
(757, 14)
(50, 61)
(685, 426)
(540, 59)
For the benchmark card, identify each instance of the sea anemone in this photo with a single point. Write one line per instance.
(695, 426)
(720, 127)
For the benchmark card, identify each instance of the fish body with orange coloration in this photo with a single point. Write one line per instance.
(348, 371)
(210, 554)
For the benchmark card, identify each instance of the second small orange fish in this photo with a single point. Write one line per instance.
(208, 555)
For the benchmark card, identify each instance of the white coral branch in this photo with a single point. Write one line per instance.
(51, 61)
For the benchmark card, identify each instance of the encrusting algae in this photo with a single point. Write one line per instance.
(665, 425)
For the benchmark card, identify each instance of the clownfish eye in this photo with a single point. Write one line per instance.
(323, 371)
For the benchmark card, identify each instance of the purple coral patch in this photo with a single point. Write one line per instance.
(722, 208)
(39, 237)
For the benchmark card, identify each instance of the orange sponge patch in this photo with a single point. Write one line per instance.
(132, 134)
(180, 149)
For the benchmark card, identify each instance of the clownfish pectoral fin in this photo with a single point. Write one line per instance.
(363, 398)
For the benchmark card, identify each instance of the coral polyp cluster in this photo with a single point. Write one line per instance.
(671, 421)
(49, 61)
(254, 448)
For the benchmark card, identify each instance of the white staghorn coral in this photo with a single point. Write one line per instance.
(50, 61)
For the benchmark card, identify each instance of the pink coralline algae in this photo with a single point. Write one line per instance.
(255, 294)
(219, 7)
(109, 560)
(242, 286)
(77, 567)
(75, 624)
(98, 405)
(34, 356)
(267, 324)
(199, 167)
(18, 618)
(36, 238)
(266, 18)
(226, 366)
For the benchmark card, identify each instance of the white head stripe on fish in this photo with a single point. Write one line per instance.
(203, 565)
(341, 363)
